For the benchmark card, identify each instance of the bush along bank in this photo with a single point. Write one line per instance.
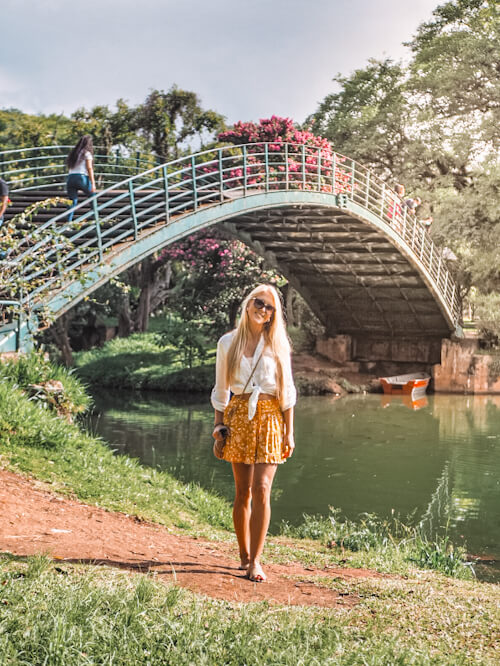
(418, 619)
(143, 362)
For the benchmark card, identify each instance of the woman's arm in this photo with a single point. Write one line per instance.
(220, 392)
(218, 422)
(289, 441)
(90, 169)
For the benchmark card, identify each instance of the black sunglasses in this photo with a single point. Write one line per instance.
(261, 305)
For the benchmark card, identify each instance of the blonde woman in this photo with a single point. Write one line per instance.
(253, 363)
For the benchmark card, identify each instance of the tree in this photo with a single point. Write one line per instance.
(107, 127)
(368, 118)
(434, 125)
(168, 120)
(212, 276)
(24, 130)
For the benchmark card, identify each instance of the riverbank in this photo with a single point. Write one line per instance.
(397, 612)
(140, 363)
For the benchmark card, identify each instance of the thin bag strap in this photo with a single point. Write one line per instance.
(230, 414)
(253, 370)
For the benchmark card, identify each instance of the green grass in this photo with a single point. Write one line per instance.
(387, 545)
(140, 363)
(57, 613)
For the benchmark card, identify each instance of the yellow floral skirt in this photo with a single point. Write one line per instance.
(259, 440)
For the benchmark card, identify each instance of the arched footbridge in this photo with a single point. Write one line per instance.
(362, 261)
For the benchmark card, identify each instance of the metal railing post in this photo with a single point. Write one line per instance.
(382, 201)
(303, 166)
(132, 206)
(221, 175)
(193, 175)
(367, 192)
(287, 175)
(266, 158)
(97, 227)
(352, 179)
(319, 170)
(167, 203)
(334, 172)
(245, 183)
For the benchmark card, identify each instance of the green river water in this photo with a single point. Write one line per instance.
(438, 461)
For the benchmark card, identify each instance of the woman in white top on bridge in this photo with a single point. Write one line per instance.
(80, 171)
(253, 363)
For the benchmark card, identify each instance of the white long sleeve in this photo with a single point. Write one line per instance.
(263, 379)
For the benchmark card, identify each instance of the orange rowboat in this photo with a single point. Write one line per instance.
(414, 384)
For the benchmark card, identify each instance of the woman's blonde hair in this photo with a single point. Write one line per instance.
(275, 337)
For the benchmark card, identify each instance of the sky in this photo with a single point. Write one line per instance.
(246, 59)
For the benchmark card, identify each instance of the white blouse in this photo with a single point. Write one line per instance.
(81, 166)
(263, 379)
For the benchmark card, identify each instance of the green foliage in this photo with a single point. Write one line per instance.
(487, 314)
(19, 129)
(366, 119)
(25, 422)
(188, 336)
(388, 536)
(169, 119)
(212, 276)
(50, 385)
(108, 127)
(29, 249)
(142, 362)
(434, 125)
(441, 555)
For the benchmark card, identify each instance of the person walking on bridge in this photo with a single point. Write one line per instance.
(80, 171)
(254, 429)
(4, 198)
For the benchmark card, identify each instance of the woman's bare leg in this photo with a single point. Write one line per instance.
(262, 482)
(243, 477)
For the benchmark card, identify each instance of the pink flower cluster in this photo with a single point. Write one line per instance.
(304, 159)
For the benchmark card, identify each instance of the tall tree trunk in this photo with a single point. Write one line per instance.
(124, 317)
(289, 296)
(144, 305)
(59, 331)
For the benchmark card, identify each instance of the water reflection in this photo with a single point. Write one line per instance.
(436, 462)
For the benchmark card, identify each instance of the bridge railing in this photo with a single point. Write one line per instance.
(162, 194)
(44, 167)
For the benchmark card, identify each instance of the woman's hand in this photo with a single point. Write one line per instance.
(288, 444)
(219, 432)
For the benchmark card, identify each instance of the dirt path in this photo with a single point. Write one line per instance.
(34, 520)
